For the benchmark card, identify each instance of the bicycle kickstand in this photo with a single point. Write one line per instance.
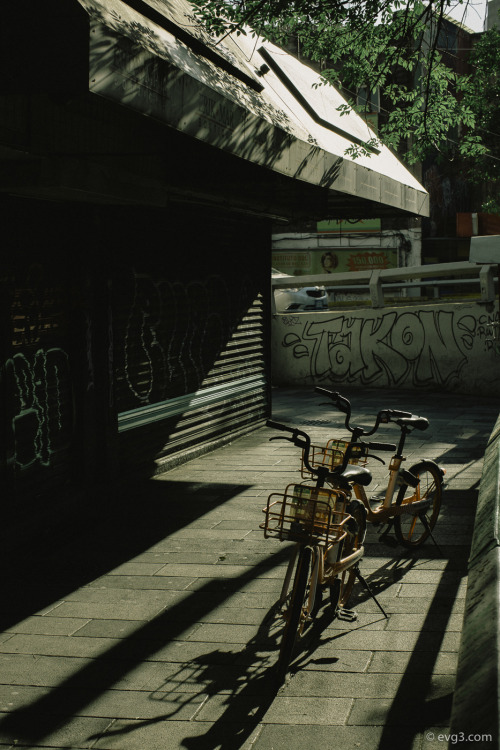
(367, 587)
(425, 522)
(388, 528)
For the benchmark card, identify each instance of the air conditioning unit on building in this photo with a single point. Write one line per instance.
(485, 249)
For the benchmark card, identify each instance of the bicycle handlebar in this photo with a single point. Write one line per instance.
(298, 437)
(278, 425)
(343, 404)
(302, 440)
(353, 448)
(383, 417)
(380, 446)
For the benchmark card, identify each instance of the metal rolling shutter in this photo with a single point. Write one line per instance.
(191, 355)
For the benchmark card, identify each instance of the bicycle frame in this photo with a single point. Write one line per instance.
(325, 570)
(388, 509)
(323, 573)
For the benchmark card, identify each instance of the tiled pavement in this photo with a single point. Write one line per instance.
(150, 631)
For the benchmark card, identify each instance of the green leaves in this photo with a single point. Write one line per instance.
(402, 48)
(479, 145)
(355, 151)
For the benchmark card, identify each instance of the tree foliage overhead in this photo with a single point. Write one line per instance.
(481, 90)
(398, 47)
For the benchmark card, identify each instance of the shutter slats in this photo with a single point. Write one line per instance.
(191, 356)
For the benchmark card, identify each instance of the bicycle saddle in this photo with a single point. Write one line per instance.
(419, 423)
(353, 475)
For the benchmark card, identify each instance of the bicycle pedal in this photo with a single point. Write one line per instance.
(347, 614)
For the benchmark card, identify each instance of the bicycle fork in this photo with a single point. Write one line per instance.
(316, 575)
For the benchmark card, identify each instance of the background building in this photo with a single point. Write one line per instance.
(383, 242)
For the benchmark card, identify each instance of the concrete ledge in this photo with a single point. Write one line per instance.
(476, 705)
(178, 459)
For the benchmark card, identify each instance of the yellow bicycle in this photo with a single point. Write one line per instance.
(412, 499)
(328, 527)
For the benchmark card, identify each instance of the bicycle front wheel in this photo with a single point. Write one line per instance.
(413, 528)
(296, 614)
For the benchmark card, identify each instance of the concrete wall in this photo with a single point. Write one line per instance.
(476, 701)
(445, 346)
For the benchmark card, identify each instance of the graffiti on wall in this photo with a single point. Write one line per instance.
(42, 421)
(171, 334)
(36, 382)
(415, 348)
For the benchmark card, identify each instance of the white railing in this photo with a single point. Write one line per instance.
(375, 281)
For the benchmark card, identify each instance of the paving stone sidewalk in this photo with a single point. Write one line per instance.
(156, 630)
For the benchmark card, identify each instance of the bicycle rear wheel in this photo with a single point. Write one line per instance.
(296, 614)
(412, 529)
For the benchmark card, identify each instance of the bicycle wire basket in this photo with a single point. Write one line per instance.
(331, 455)
(306, 514)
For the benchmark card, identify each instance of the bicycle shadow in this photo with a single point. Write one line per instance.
(382, 578)
(250, 696)
(238, 691)
(315, 636)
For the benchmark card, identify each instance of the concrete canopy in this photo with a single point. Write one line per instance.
(247, 97)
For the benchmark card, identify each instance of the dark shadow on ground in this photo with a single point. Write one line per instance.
(58, 561)
(421, 702)
(31, 724)
(420, 706)
(244, 685)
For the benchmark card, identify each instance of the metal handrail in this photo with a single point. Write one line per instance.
(427, 275)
